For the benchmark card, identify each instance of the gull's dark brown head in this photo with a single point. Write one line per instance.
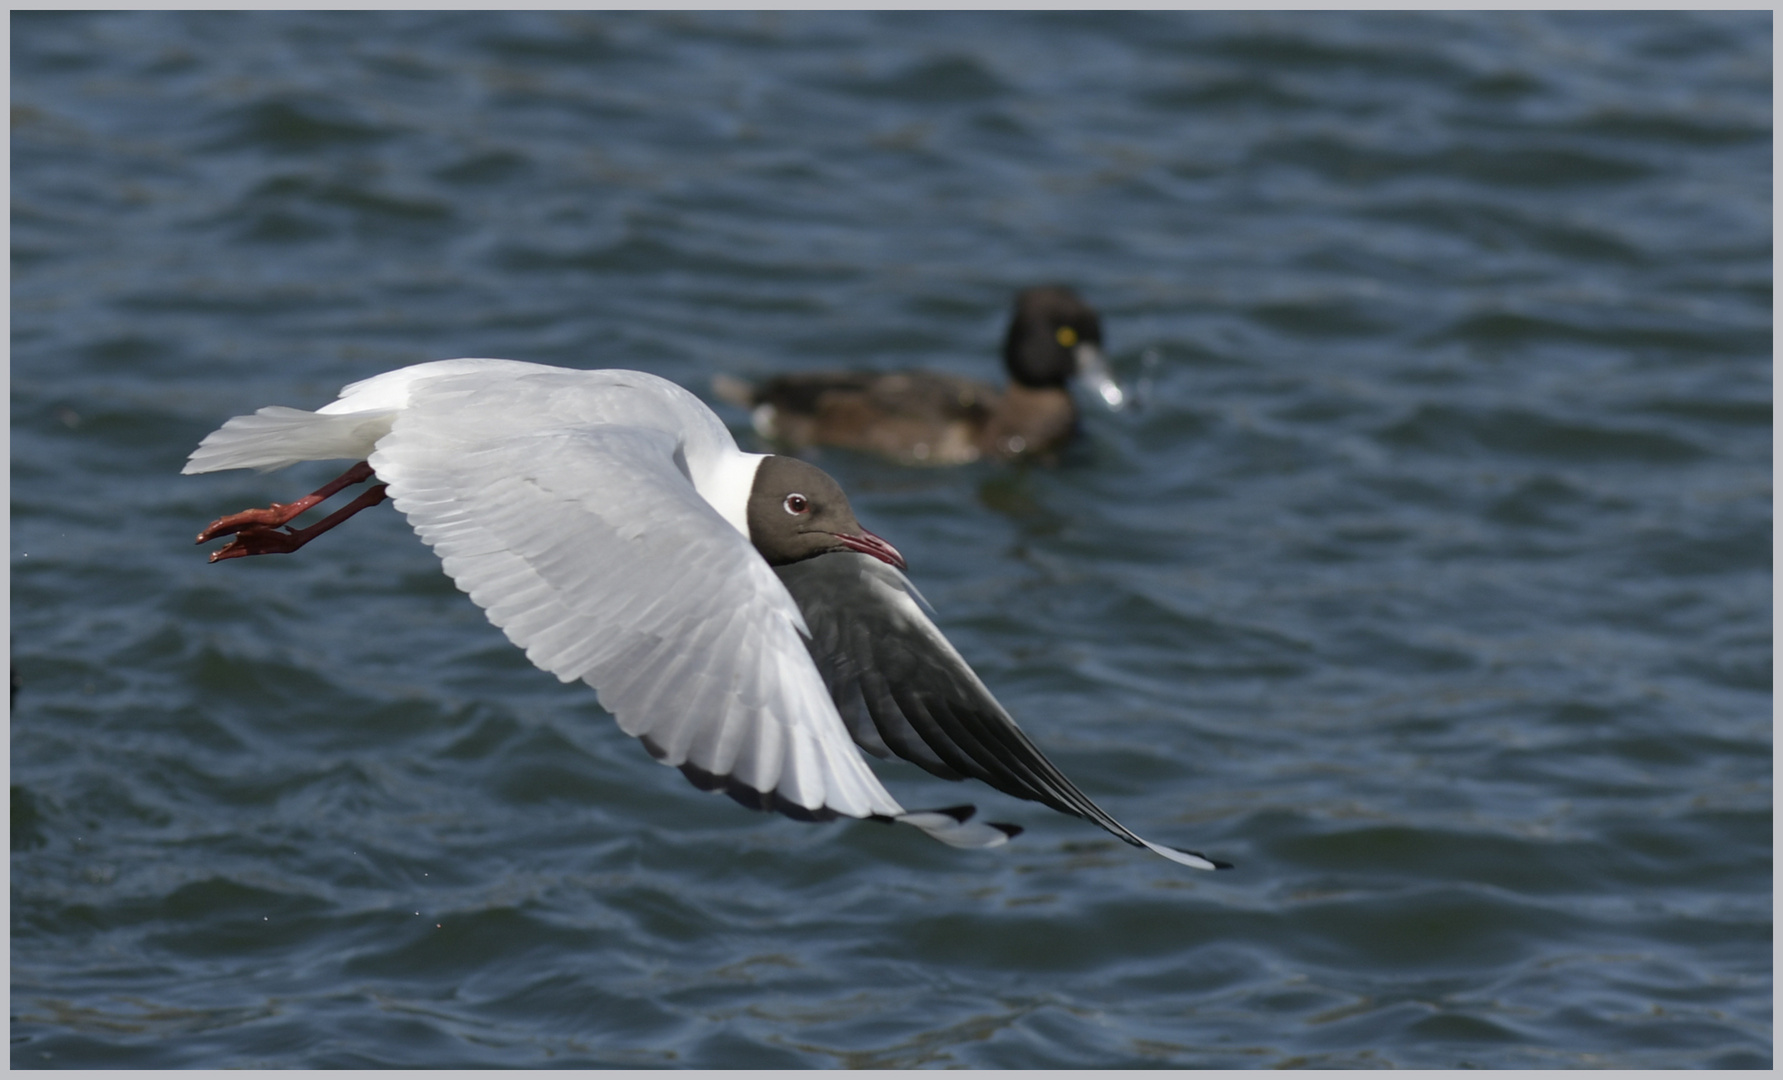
(796, 511)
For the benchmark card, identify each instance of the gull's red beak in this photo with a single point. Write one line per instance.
(868, 544)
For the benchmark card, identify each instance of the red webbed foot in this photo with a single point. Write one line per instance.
(258, 532)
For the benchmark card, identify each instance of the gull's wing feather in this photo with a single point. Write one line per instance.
(902, 687)
(592, 551)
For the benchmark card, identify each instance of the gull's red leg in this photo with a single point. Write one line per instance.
(266, 540)
(279, 513)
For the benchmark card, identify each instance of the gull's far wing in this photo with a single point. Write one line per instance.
(590, 548)
(902, 688)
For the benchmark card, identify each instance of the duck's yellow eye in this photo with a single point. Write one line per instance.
(1067, 336)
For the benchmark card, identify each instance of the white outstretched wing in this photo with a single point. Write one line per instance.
(593, 552)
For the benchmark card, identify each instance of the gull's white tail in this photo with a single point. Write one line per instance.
(276, 437)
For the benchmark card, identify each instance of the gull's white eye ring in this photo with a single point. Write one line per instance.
(796, 504)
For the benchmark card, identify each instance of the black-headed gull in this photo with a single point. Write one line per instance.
(928, 418)
(727, 607)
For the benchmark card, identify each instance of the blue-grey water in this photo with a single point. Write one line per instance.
(1431, 586)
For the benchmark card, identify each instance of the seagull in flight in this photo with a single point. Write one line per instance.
(728, 609)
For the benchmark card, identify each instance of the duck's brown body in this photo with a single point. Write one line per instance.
(913, 417)
(930, 418)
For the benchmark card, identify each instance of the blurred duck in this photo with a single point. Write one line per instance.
(928, 418)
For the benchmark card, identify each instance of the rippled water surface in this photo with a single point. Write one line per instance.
(1431, 586)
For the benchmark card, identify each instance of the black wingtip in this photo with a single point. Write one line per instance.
(1011, 831)
(744, 794)
(961, 814)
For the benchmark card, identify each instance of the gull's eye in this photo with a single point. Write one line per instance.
(1066, 336)
(796, 504)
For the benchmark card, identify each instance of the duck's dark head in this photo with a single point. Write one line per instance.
(796, 511)
(1053, 337)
